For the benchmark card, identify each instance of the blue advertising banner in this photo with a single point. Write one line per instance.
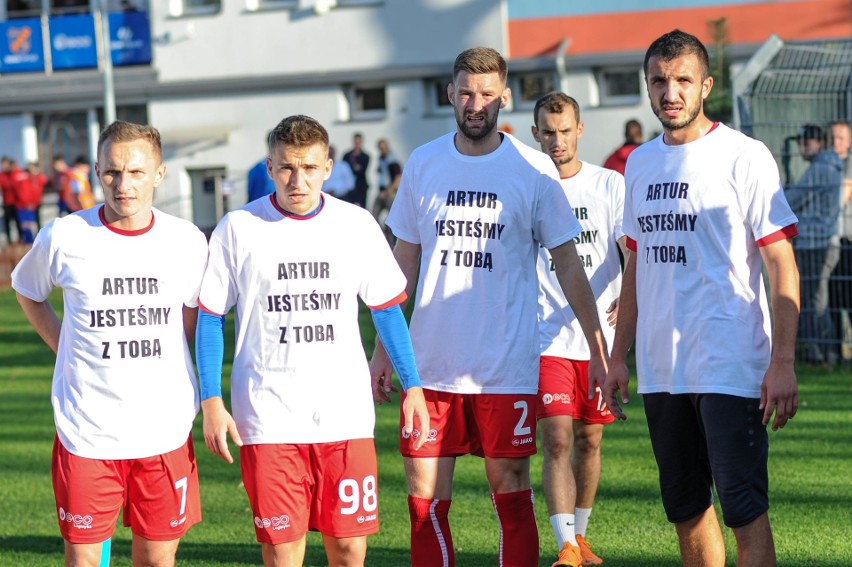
(21, 47)
(72, 42)
(130, 38)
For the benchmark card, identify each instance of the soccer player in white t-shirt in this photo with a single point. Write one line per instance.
(294, 264)
(571, 421)
(130, 276)
(472, 209)
(704, 213)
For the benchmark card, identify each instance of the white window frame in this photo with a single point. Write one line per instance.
(179, 9)
(606, 99)
(358, 113)
(515, 84)
(431, 88)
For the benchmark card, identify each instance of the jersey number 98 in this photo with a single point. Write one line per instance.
(357, 496)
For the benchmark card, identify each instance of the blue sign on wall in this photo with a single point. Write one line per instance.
(21, 46)
(72, 42)
(130, 38)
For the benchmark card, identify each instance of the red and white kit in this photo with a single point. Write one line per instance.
(300, 374)
(124, 385)
(477, 235)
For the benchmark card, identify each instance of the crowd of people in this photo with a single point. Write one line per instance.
(23, 192)
(820, 198)
(532, 274)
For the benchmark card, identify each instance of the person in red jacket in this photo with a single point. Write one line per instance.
(29, 187)
(9, 213)
(617, 160)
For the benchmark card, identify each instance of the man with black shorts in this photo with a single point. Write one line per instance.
(570, 419)
(294, 265)
(473, 207)
(704, 213)
(124, 391)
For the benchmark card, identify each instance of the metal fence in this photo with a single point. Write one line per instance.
(793, 97)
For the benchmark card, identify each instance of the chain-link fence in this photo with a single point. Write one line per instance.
(796, 97)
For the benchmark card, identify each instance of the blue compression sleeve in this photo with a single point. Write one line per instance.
(209, 352)
(106, 546)
(393, 330)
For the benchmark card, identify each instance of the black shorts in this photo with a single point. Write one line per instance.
(704, 439)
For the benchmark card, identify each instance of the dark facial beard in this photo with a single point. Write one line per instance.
(488, 125)
(670, 124)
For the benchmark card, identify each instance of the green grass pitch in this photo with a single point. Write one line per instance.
(810, 483)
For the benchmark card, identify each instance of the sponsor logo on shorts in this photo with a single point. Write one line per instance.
(281, 522)
(433, 434)
(518, 441)
(178, 522)
(78, 521)
(548, 399)
(367, 518)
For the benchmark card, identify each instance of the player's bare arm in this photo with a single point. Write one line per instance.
(408, 257)
(618, 376)
(575, 285)
(43, 319)
(612, 310)
(779, 391)
(217, 425)
(190, 319)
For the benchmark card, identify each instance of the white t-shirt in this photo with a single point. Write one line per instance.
(696, 212)
(300, 374)
(597, 197)
(124, 385)
(479, 221)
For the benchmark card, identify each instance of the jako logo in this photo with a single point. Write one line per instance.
(176, 523)
(281, 522)
(522, 441)
(433, 434)
(80, 522)
(369, 518)
(550, 398)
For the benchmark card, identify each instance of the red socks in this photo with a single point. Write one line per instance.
(431, 540)
(518, 530)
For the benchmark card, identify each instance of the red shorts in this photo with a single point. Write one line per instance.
(326, 487)
(159, 494)
(563, 389)
(485, 425)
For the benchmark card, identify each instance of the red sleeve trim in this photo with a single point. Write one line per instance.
(630, 243)
(788, 231)
(395, 301)
(201, 306)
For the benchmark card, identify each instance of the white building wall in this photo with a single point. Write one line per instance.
(391, 33)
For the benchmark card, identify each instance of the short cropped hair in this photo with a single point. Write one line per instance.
(299, 131)
(480, 61)
(675, 44)
(555, 103)
(121, 131)
(811, 132)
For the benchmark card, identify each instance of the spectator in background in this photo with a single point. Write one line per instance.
(341, 181)
(359, 162)
(632, 139)
(841, 281)
(815, 198)
(390, 173)
(29, 188)
(259, 182)
(58, 182)
(77, 192)
(10, 213)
